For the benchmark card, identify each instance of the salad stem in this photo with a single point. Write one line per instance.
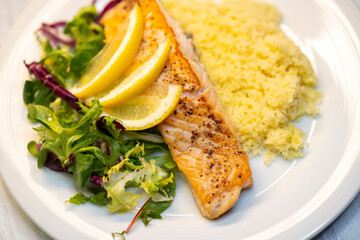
(136, 216)
(50, 31)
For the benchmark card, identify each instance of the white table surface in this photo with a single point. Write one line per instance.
(16, 225)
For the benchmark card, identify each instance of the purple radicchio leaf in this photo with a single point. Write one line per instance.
(53, 163)
(118, 125)
(57, 24)
(51, 32)
(38, 147)
(49, 81)
(96, 180)
(109, 6)
(101, 123)
(71, 161)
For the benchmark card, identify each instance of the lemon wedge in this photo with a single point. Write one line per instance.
(149, 109)
(139, 79)
(116, 56)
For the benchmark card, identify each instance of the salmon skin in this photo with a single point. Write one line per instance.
(200, 138)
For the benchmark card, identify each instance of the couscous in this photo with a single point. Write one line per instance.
(262, 78)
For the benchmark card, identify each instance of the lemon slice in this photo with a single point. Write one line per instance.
(148, 109)
(140, 79)
(116, 56)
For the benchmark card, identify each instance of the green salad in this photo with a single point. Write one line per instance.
(77, 139)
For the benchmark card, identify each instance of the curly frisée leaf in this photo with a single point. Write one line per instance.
(148, 176)
(121, 201)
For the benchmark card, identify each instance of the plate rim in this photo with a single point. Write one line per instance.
(57, 232)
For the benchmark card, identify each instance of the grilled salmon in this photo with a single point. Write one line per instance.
(200, 137)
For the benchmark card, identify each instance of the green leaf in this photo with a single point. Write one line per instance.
(76, 140)
(44, 97)
(153, 210)
(143, 136)
(162, 161)
(95, 151)
(83, 28)
(42, 158)
(85, 141)
(160, 153)
(47, 48)
(115, 151)
(87, 13)
(91, 115)
(82, 169)
(32, 148)
(84, 54)
(100, 198)
(44, 43)
(66, 115)
(110, 128)
(118, 235)
(53, 147)
(36, 92)
(78, 199)
(29, 92)
(45, 116)
(92, 46)
(58, 63)
(80, 62)
(127, 146)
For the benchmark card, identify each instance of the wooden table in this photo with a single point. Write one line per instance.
(16, 225)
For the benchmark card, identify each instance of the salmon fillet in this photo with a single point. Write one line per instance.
(200, 137)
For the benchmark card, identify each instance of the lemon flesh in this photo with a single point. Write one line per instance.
(149, 109)
(140, 79)
(116, 56)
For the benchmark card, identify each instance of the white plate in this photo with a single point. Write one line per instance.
(289, 200)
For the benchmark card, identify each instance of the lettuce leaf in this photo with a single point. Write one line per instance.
(100, 199)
